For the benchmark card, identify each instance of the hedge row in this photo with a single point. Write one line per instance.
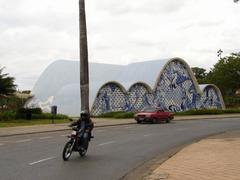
(232, 101)
(208, 111)
(23, 113)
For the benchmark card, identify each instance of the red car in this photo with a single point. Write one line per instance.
(153, 115)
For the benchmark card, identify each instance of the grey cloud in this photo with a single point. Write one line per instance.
(143, 7)
(210, 23)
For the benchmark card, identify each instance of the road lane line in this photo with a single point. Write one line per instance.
(106, 143)
(1, 144)
(146, 135)
(128, 127)
(47, 137)
(64, 135)
(23, 140)
(99, 130)
(42, 160)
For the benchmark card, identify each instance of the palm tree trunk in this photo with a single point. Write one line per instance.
(84, 76)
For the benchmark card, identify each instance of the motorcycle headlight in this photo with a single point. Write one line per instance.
(74, 133)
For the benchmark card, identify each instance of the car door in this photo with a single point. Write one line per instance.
(161, 115)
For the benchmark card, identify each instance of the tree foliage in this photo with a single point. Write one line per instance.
(226, 74)
(7, 86)
(200, 74)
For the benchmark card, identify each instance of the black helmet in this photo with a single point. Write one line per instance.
(84, 114)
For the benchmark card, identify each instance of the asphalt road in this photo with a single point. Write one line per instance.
(112, 153)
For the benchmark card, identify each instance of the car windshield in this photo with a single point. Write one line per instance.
(149, 109)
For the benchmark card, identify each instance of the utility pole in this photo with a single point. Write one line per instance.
(84, 74)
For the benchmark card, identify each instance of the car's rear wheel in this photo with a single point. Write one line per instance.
(168, 120)
(139, 122)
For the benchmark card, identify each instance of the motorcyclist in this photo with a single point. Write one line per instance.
(84, 116)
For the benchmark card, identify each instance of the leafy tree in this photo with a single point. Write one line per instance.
(226, 74)
(7, 86)
(200, 74)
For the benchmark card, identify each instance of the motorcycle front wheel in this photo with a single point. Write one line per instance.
(67, 150)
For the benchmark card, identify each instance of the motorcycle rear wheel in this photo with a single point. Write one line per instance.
(83, 150)
(67, 151)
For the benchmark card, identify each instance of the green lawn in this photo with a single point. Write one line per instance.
(22, 122)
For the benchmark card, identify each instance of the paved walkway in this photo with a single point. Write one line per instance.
(217, 157)
(99, 122)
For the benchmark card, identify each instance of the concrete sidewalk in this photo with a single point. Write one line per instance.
(99, 122)
(217, 157)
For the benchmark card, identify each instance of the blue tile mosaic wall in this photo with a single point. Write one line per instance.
(210, 99)
(175, 91)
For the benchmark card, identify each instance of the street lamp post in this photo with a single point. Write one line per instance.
(84, 76)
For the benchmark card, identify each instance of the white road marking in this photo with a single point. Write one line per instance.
(23, 140)
(146, 135)
(47, 137)
(99, 130)
(64, 135)
(42, 160)
(106, 143)
(1, 144)
(128, 127)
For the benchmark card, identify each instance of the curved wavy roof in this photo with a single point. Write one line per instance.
(204, 86)
(63, 73)
(61, 78)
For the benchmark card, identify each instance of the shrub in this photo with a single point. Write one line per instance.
(49, 116)
(24, 114)
(232, 101)
(7, 115)
(27, 113)
(29, 110)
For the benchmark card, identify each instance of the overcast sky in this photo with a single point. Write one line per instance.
(35, 33)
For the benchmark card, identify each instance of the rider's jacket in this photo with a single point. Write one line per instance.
(88, 123)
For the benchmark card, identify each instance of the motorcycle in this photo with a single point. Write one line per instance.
(78, 142)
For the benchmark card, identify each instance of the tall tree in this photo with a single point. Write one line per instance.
(84, 76)
(7, 86)
(226, 74)
(200, 74)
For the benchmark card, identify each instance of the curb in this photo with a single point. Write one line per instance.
(191, 119)
(58, 130)
(144, 170)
